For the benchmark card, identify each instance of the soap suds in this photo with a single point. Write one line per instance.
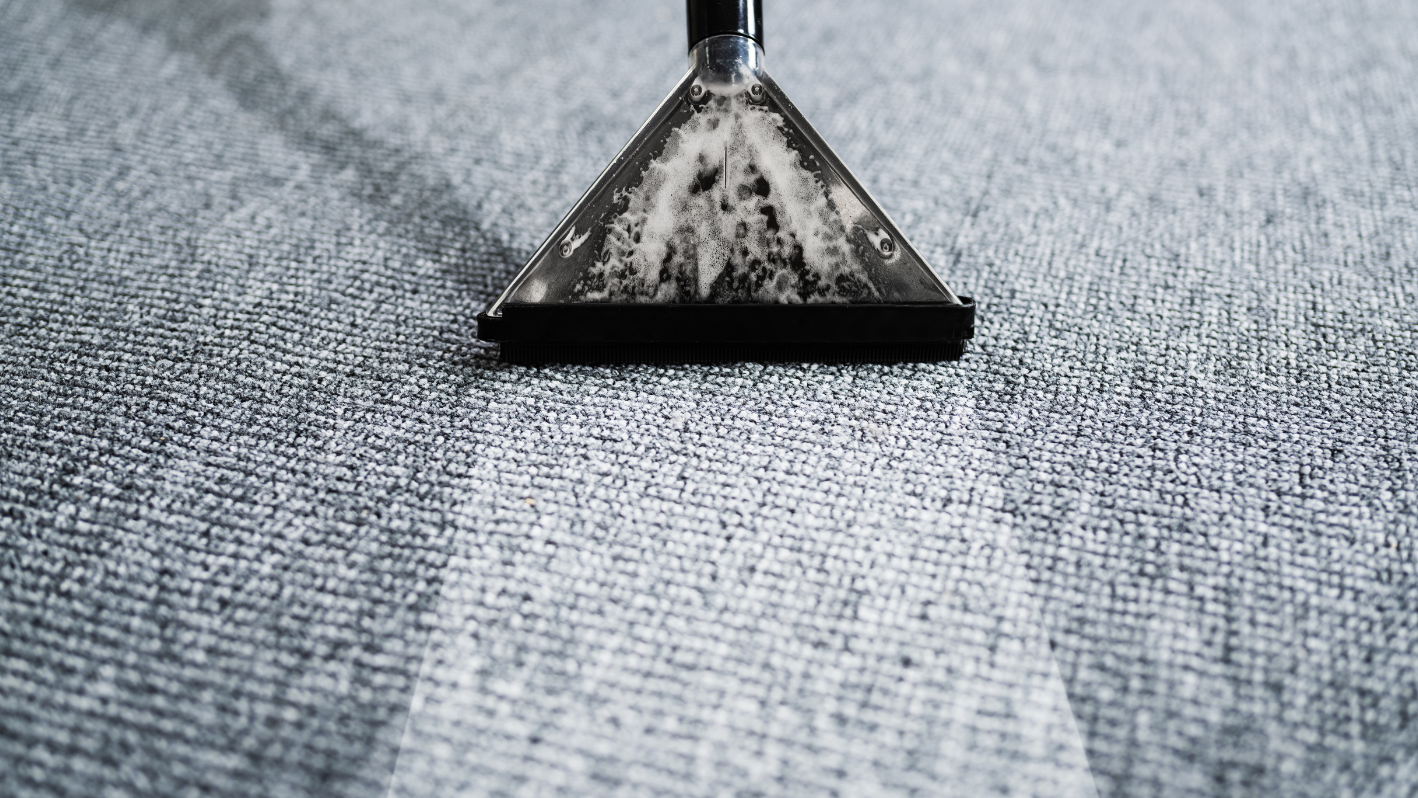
(727, 213)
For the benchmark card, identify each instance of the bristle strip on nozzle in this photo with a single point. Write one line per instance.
(537, 354)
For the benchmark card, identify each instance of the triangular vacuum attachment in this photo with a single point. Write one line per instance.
(727, 230)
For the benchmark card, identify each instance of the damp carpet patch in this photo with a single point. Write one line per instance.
(274, 522)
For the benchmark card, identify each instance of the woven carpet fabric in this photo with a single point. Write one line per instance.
(273, 522)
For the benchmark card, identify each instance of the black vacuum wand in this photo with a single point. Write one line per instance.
(727, 230)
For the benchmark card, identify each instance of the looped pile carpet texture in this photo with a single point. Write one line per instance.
(273, 522)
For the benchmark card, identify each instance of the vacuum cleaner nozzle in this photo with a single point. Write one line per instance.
(727, 230)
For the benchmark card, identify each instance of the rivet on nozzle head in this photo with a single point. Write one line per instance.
(696, 92)
(882, 241)
(755, 92)
(567, 249)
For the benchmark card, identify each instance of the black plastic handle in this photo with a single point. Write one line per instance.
(717, 17)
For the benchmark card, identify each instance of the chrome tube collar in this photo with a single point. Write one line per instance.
(726, 65)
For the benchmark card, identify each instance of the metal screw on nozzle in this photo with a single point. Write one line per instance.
(886, 246)
(696, 92)
(755, 92)
(566, 249)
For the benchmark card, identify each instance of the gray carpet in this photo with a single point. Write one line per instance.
(273, 522)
